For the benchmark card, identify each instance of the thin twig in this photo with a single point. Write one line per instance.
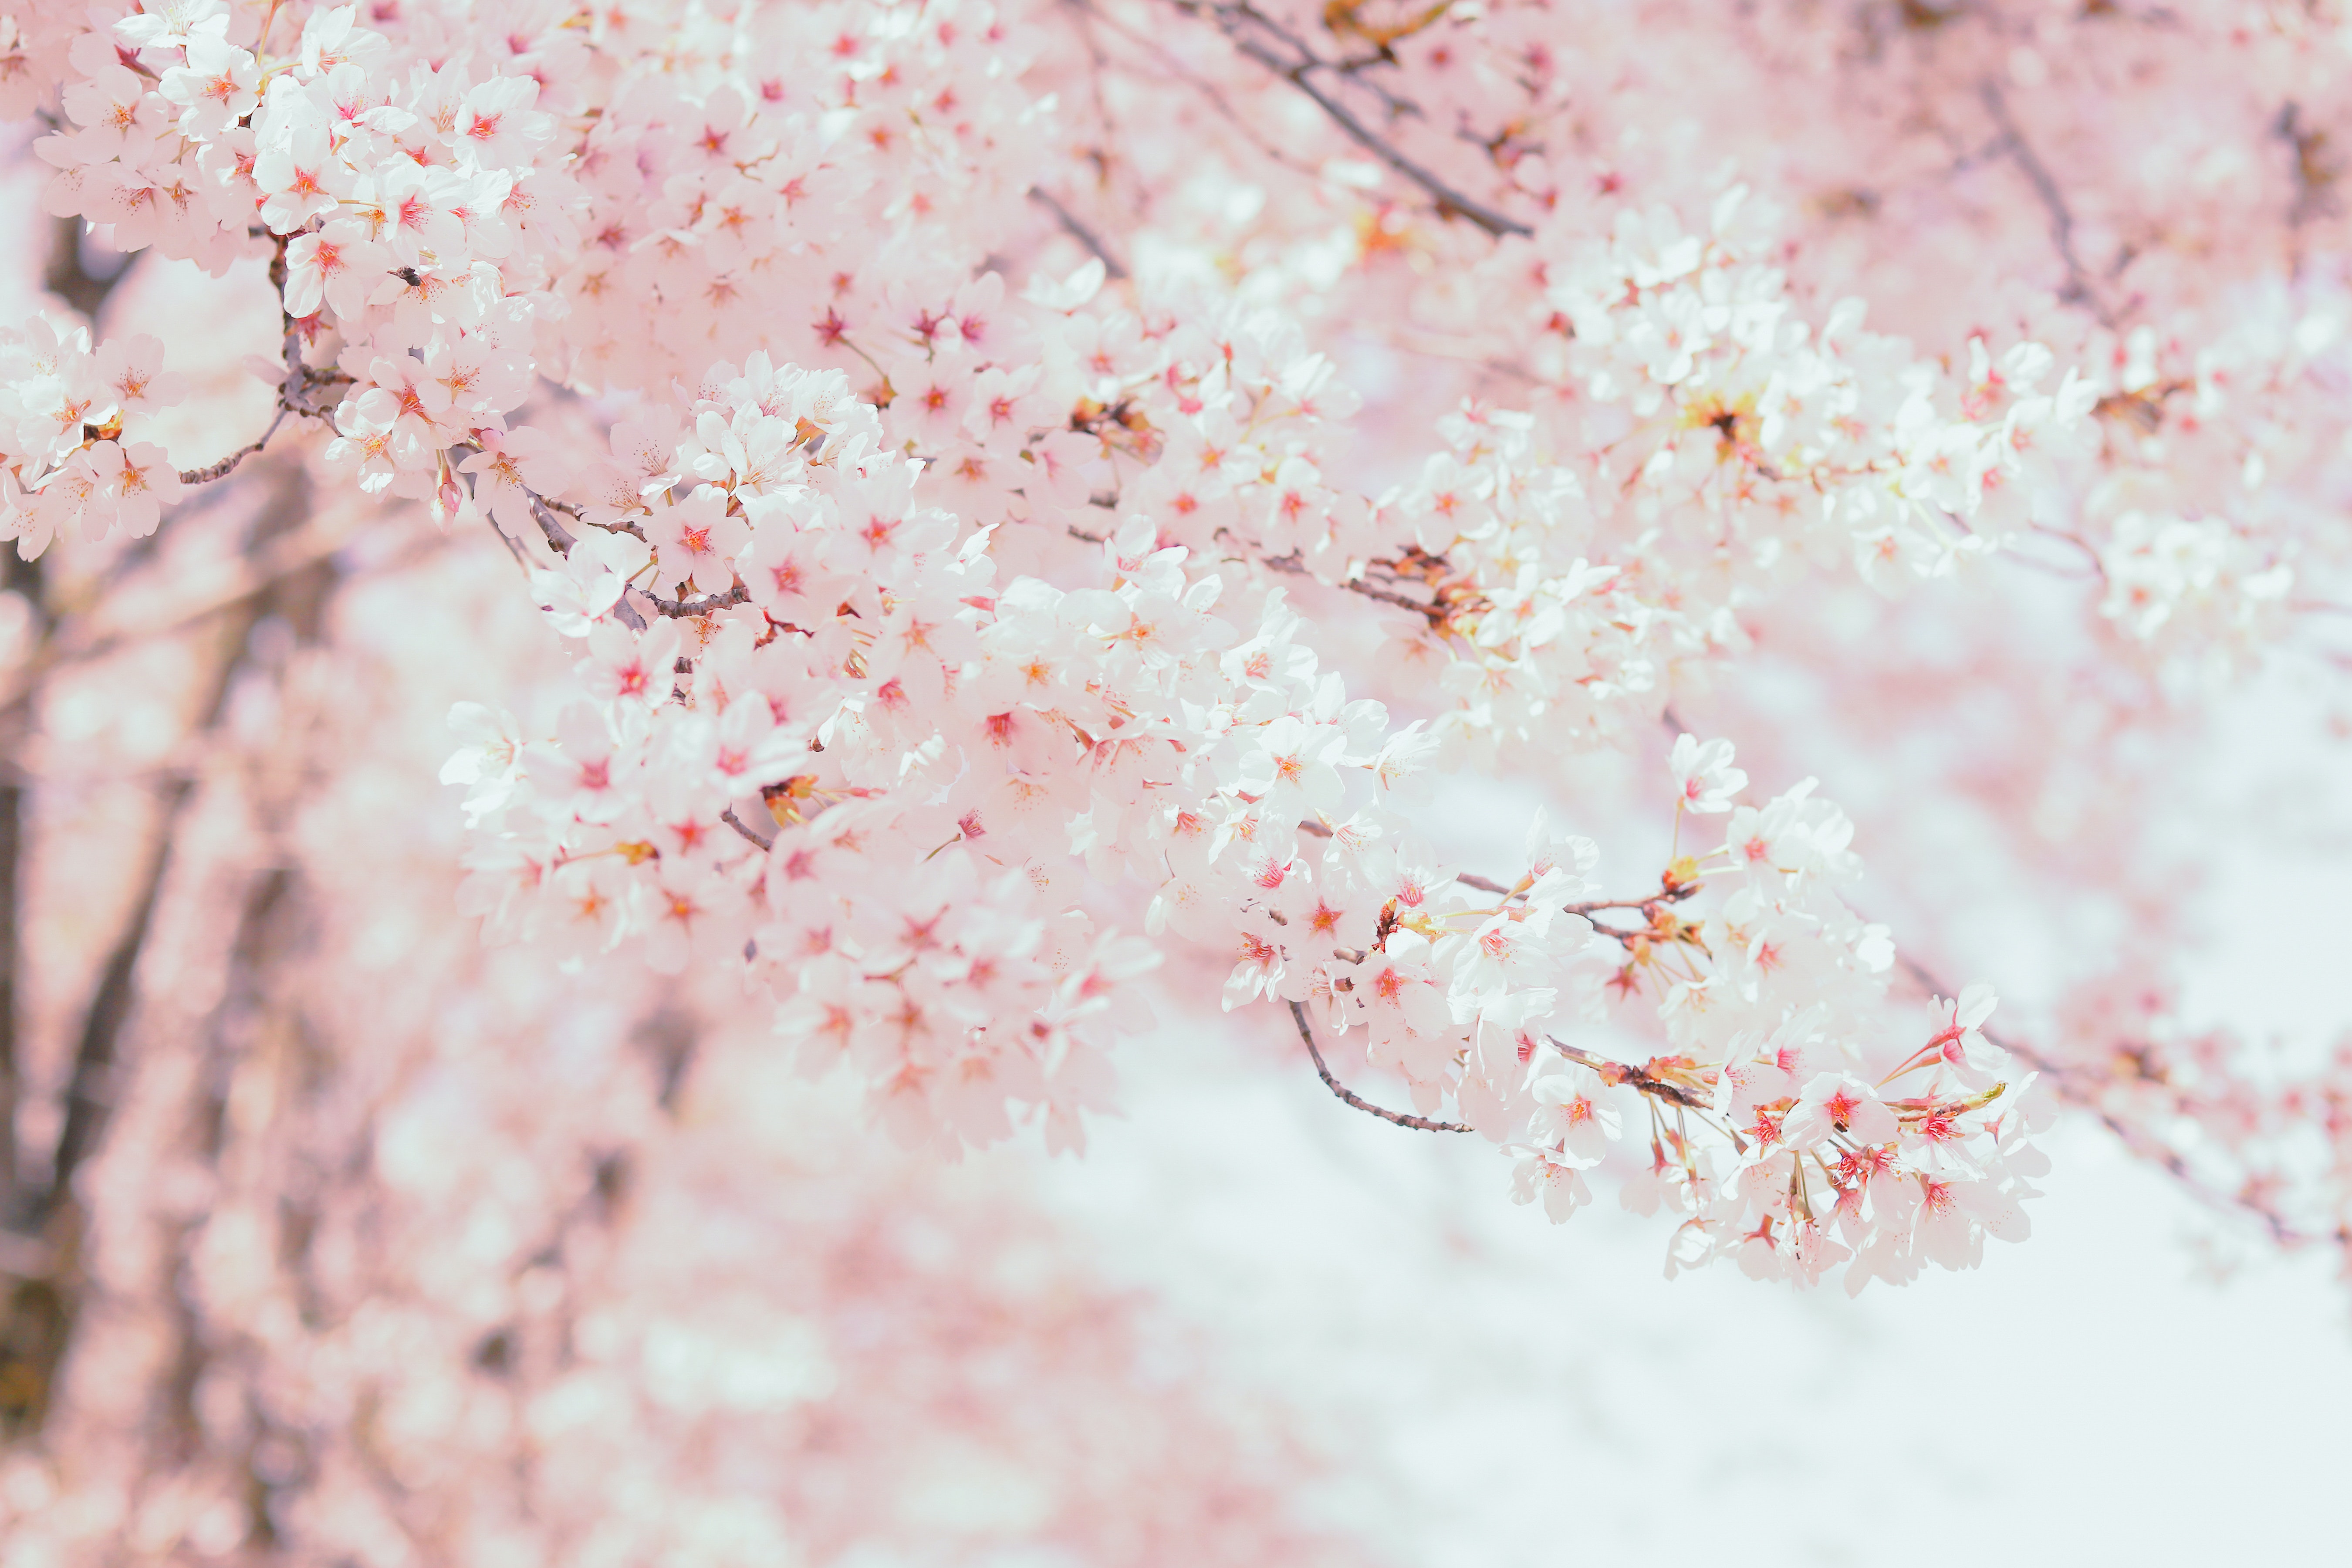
(1420, 1123)
(753, 834)
(512, 548)
(2067, 1083)
(1208, 90)
(1298, 72)
(1664, 896)
(280, 558)
(2078, 290)
(227, 465)
(1291, 565)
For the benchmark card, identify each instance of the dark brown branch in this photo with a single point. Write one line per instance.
(227, 465)
(293, 388)
(1642, 905)
(1420, 1123)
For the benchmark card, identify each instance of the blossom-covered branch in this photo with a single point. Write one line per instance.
(970, 605)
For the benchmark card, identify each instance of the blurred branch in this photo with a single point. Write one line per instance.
(89, 1094)
(1287, 57)
(36, 1319)
(1078, 231)
(37, 1331)
(2079, 289)
(67, 273)
(258, 572)
(2314, 172)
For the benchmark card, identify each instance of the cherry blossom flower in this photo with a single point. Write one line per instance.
(696, 540)
(1708, 780)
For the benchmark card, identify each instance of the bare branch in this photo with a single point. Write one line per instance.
(1244, 25)
(706, 604)
(753, 834)
(1420, 1123)
(1291, 565)
(2079, 289)
(1079, 230)
(185, 604)
(1168, 62)
(227, 465)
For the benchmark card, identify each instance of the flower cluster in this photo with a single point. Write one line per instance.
(888, 781)
(66, 463)
(967, 625)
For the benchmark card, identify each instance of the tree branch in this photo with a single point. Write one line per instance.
(2079, 289)
(68, 277)
(1291, 565)
(1232, 20)
(89, 1095)
(227, 465)
(753, 834)
(1169, 63)
(1079, 230)
(1421, 1123)
(1621, 1074)
(2069, 1083)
